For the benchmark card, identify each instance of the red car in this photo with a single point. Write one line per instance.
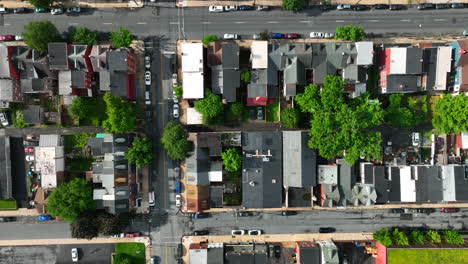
(28, 150)
(449, 210)
(7, 37)
(291, 36)
(134, 234)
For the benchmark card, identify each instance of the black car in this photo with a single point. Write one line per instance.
(442, 6)
(180, 249)
(245, 7)
(242, 214)
(360, 7)
(286, 213)
(19, 10)
(277, 251)
(327, 7)
(200, 215)
(327, 229)
(425, 6)
(425, 210)
(200, 232)
(397, 7)
(458, 5)
(7, 219)
(397, 210)
(381, 6)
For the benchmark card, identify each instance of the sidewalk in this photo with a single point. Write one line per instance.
(20, 212)
(129, 4)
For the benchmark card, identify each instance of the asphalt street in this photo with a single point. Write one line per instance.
(194, 23)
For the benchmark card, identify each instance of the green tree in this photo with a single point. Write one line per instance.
(236, 109)
(141, 152)
(293, 5)
(232, 159)
(245, 77)
(110, 224)
(121, 38)
(451, 114)
(453, 237)
(289, 118)
(400, 238)
(178, 91)
(121, 258)
(85, 227)
(40, 3)
(433, 237)
(70, 200)
(398, 114)
(83, 36)
(384, 237)
(174, 140)
(81, 108)
(121, 115)
(339, 126)
(38, 34)
(416, 237)
(210, 106)
(349, 32)
(209, 38)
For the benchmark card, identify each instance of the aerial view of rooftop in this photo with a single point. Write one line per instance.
(234, 132)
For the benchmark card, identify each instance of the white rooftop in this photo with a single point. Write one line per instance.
(48, 162)
(193, 117)
(398, 60)
(444, 60)
(365, 52)
(192, 70)
(407, 185)
(259, 54)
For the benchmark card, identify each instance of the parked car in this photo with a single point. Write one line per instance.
(44, 218)
(327, 7)
(200, 215)
(397, 210)
(360, 8)
(177, 173)
(449, 210)
(200, 232)
(425, 210)
(7, 37)
(286, 213)
(178, 200)
(180, 250)
(19, 10)
(4, 10)
(29, 158)
(148, 78)
(178, 187)
(344, 7)
(73, 10)
(237, 232)
(255, 232)
(276, 35)
(243, 214)
(216, 9)
(442, 6)
(327, 229)
(380, 6)
(19, 37)
(277, 251)
(256, 36)
(41, 10)
(230, 36)
(329, 35)
(153, 260)
(230, 8)
(458, 5)
(291, 36)
(263, 8)
(28, 150)
(260, 113)
(317, 34)
(397, 7)
(4, 119)
(7, 219)
(56, 11)
(174, 80)
(245, 7)
(425, 6)
(133, 234)
(74, 254)
(147, 62)
(252, 114)
(465, 33)
(175, 111)
(415, 139)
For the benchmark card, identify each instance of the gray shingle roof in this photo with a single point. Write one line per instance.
(414, 60)
(117, 60)
(198, 166)
(461, 183)
(346, 180)
(33, 114)
(6, 181)
(299, 161)
(402, 83)
(58, 56)
(230, 55)
(428, 184)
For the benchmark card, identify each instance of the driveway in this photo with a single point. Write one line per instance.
(88, 253)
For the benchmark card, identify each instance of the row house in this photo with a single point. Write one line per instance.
(193, 70)
(459, 76)
(223, 60)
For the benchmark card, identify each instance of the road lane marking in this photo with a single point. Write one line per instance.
(439, 19)
(304, 21)
(142, 23)
(206, 22)
(240, 22)
(339, 21)
(174, 23)
(107, 23)
(7, 24)
(373, 20)
(405, 20)
(272, 22)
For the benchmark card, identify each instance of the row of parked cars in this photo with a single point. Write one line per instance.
(218, 9)
(423, 210)
(53, 11)
(424, 6)
(232, 36)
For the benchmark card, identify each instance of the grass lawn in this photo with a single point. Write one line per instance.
(76, 140)
(272, 111)
(135, 251)
(7, 205)
(427, 256)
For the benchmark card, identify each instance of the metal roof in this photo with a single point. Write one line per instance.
(299, 161)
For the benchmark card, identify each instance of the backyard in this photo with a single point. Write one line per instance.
(272, 111)
(6, 205)
(135, 252)
(427, 256)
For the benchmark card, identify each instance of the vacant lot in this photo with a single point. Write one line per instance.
(427, 256)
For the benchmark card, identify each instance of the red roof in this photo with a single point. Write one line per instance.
(260, 101)
(381, 254)
(130, 87)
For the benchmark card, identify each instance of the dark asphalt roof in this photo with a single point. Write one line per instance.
(215, 255)
(402, 83)
(216, 196)
(413, 60)
(33, 114)
(428, 184)
(58, 56)
(461, 183)
(262, 179)
(310, 255)
(231, 82)
(96, 146)
(430, 66)
(6, 191)
(299, 161)
(388, 190)
(346, 180)
(230, 55)
(117, 60)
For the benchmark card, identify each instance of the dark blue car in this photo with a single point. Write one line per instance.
(44, 218)
(178, 187)
(276, 35)
(245, 7)
(200, 215)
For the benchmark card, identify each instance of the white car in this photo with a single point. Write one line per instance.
(56, 11)
(315, 34)
(237, 232)
(174, 98)
(175, 112)
(329, 35)
(74, 253)
(178, 200)
(230, 8)
(18, 37)
(147, 62)
(416, 139)
(3, 119)
(230, 36)
(255, 232)
(147, 98)
(215, 9)
(148, 78)
(174, 80)
(343, 7)
(73, 10)
(29, 158)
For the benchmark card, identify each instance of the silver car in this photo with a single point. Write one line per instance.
(230, 36)
(148, 78)
(175, 112)
(216, 9)
(74, 253)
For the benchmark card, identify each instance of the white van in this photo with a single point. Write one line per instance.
(151, 199)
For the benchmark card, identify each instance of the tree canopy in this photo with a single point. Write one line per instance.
(69, 200)
(451, 114)
(38, 34)
(232, 159)
(293, 5)
(433, 237)
(400, 238)
(40, 3)
(349, 32)
(141, 152)
(174, 140)
(121, 38)
(210, 106)
(245, 77)
(178, 91)
(339, 126)
(289, 117)
(416, 237)
(209, 38)
(85, 227)
(90, 225)
(121, 115)
(83, 36)
(384, 237)
(398, 114)
(453, 237)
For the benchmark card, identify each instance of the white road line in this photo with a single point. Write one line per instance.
(174, 23)
(240, 22)
(142, 23)
(339, 21)
(205, 22)
(7, 24)
(107, 23)
(373, 20)
(272, 22)
(405, 20)
(305, 21)
(439, 19)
